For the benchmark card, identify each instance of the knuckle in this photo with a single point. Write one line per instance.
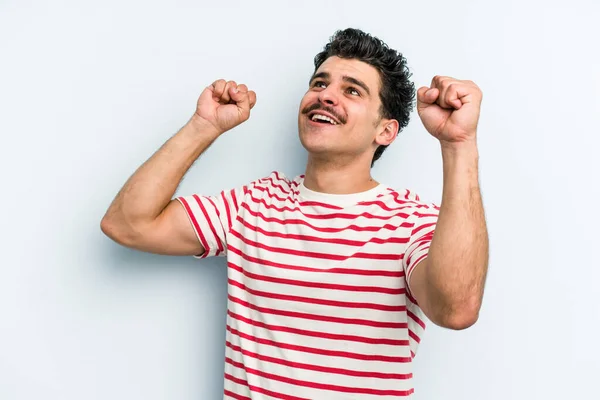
(219, 86)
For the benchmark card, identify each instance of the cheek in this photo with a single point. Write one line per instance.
(359, 117)
(370, 118)
(307, 100)
(363, 126)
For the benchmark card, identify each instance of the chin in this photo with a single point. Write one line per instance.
(321, 147)
(312, 143)
(319, 139)
(317, 146)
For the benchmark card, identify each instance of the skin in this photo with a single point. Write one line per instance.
(448, 284)
(339, 156)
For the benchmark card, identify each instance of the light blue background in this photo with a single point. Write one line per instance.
(89, 90)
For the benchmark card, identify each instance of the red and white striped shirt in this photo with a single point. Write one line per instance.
(318, 305)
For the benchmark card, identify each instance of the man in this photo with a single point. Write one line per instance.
(329, 273)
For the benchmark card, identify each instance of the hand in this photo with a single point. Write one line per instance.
(224, 105)
(449, 109)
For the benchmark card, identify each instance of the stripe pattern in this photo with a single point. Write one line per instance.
(318, 301)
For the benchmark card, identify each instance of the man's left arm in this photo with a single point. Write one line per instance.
(449, 283)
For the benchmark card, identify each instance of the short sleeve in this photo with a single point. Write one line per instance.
(212, 218)
(424, 220)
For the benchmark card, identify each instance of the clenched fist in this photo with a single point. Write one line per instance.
(449, 109)
(224, 105)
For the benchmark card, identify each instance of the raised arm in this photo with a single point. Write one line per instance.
(449, 283)
(144, 215)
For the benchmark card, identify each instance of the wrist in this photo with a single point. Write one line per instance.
(464, 149)
(202, 127)
(460, 158)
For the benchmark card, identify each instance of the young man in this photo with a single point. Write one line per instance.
(329, 273)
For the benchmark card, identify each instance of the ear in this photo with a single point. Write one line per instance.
(387, 132)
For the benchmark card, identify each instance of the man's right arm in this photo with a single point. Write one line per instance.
(144, 215)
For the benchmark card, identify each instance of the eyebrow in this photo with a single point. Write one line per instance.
(345, 78)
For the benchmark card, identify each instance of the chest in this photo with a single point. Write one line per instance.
(308, 239)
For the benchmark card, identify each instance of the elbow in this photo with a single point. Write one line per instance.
(116, 231)
(109, 227)
(106, 226)
(461, 317)
(461, 321)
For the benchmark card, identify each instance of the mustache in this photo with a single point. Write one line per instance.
(318, 106)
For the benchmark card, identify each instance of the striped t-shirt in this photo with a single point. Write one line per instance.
(318, 305)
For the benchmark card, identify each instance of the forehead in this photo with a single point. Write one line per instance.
(338, 67)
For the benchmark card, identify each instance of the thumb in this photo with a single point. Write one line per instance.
(427, 96)
(241, 98)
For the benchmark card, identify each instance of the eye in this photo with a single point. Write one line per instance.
(319, 84)
(353, 91)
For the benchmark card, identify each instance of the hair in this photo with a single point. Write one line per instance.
(397, 91)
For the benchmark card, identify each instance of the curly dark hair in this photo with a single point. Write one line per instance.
(397, 91)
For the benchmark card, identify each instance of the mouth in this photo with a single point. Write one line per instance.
(322, 118)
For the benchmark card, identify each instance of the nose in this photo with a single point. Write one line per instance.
(328, 96)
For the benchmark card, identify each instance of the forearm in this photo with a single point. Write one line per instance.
(458, 255)
(150, 189)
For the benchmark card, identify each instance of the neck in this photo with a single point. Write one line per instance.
(338, 177)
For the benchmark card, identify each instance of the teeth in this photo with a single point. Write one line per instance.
(323, 118)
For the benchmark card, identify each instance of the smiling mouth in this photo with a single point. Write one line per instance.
(322, 119)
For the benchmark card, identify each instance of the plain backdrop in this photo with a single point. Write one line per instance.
(89, 90)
